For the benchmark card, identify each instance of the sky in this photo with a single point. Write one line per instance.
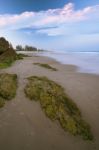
(58, 25)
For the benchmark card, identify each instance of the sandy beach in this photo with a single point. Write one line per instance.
(23, 124)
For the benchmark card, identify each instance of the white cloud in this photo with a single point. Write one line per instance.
(51, 17)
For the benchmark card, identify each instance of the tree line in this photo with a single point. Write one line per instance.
(27, 48)
(5, 45)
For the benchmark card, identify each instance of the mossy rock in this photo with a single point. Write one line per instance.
(8, 85)
(57, 105)
(47, 66)
(2, 102)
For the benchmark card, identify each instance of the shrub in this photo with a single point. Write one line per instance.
(7, 53)
(21, 56)
(4, 45)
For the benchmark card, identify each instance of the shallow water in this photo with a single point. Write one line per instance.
(87, 62)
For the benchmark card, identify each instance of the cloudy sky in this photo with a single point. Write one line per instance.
(63, 25)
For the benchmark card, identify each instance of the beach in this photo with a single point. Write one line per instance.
(23, 124)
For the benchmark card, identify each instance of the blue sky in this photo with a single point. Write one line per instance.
(63, 25)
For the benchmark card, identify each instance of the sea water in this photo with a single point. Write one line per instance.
(87, 62)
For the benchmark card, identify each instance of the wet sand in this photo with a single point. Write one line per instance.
(24, 126)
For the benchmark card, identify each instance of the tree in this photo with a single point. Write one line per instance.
(4, 45)
(19, 48)
(30, 48)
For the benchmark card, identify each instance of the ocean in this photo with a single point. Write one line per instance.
(87, 62)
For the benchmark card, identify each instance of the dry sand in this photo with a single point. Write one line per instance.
(23, 125)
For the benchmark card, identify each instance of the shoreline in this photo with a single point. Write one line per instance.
(86, 62)
(79, 69)
(71, 67)
(28, 126)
